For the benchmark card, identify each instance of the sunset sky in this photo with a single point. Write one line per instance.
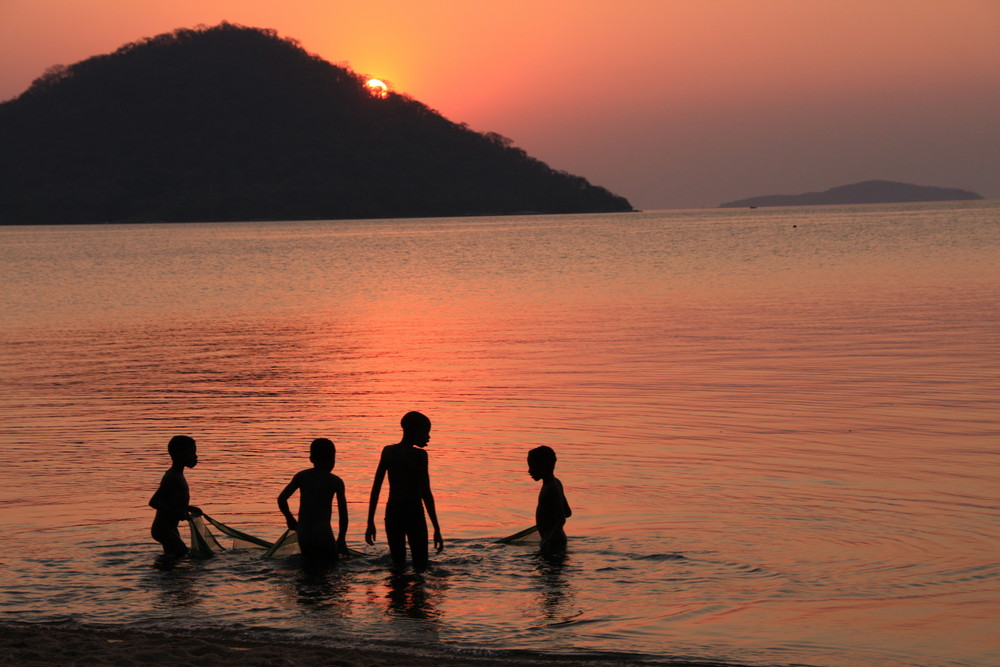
(671, 103)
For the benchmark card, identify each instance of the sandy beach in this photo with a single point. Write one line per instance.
(48, 645)
(44, 645)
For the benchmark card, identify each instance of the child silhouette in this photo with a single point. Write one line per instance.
(317, 486)
(173, 495)
(409, 493)
(552, 510)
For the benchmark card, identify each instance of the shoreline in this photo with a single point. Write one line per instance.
(45, 644)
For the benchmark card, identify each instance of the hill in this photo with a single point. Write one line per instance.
(866, 192)
(235, 123)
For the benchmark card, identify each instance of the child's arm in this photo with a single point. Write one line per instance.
(373, 499)
(432, 513)
(283, 502)
(342, 517)
(428, 498)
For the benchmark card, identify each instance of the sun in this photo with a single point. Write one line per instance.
(377, 88)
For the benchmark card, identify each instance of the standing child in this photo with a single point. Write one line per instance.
(552, 510)
(172, 497)
(409, 494)
(317, 486)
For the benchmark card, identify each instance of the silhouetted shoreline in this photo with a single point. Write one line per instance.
(24, 644)
(866, 192)
(232, 124)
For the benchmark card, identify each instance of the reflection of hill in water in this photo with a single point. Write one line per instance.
(232, 123)
(866, 192)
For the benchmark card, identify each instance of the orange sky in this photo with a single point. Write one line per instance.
(671, 103)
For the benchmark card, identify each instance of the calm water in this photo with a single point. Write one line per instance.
(778, 429)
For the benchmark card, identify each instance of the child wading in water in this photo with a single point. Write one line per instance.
(552, 510)
(172, 497)
(317, 486)
(409, 494)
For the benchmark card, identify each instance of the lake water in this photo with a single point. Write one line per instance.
(778, 428)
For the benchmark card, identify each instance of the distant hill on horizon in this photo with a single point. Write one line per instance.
(865, 192)
(235, 123)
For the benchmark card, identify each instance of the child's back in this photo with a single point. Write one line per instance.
(317, 487)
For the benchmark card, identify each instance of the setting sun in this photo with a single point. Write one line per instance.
(377, 88)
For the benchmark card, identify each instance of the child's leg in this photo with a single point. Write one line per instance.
(165, 531)
(416, 534)
(395, 535)
(554, 543)
(316, 542)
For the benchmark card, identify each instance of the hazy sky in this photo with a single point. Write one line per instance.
(671, 103)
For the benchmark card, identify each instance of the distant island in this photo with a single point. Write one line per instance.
(866, 192)
(235, 123)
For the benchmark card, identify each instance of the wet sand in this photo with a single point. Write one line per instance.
(22, 644)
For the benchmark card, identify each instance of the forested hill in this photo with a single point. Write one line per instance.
(866, 192)
(234, 123)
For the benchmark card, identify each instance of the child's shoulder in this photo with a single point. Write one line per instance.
(333, 482)
(553, 485)
(322, 475)
(403, 452)
(307, 475)
(171, 475)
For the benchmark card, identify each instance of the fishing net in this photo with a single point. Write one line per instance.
(287, 545)
(526, 536)
(204, 544)
(241, 540)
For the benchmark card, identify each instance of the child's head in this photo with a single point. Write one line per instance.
(541, 462)
(323, 453)
(416, 428)
(183, 451)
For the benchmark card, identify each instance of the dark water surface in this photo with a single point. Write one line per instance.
(778, 428)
